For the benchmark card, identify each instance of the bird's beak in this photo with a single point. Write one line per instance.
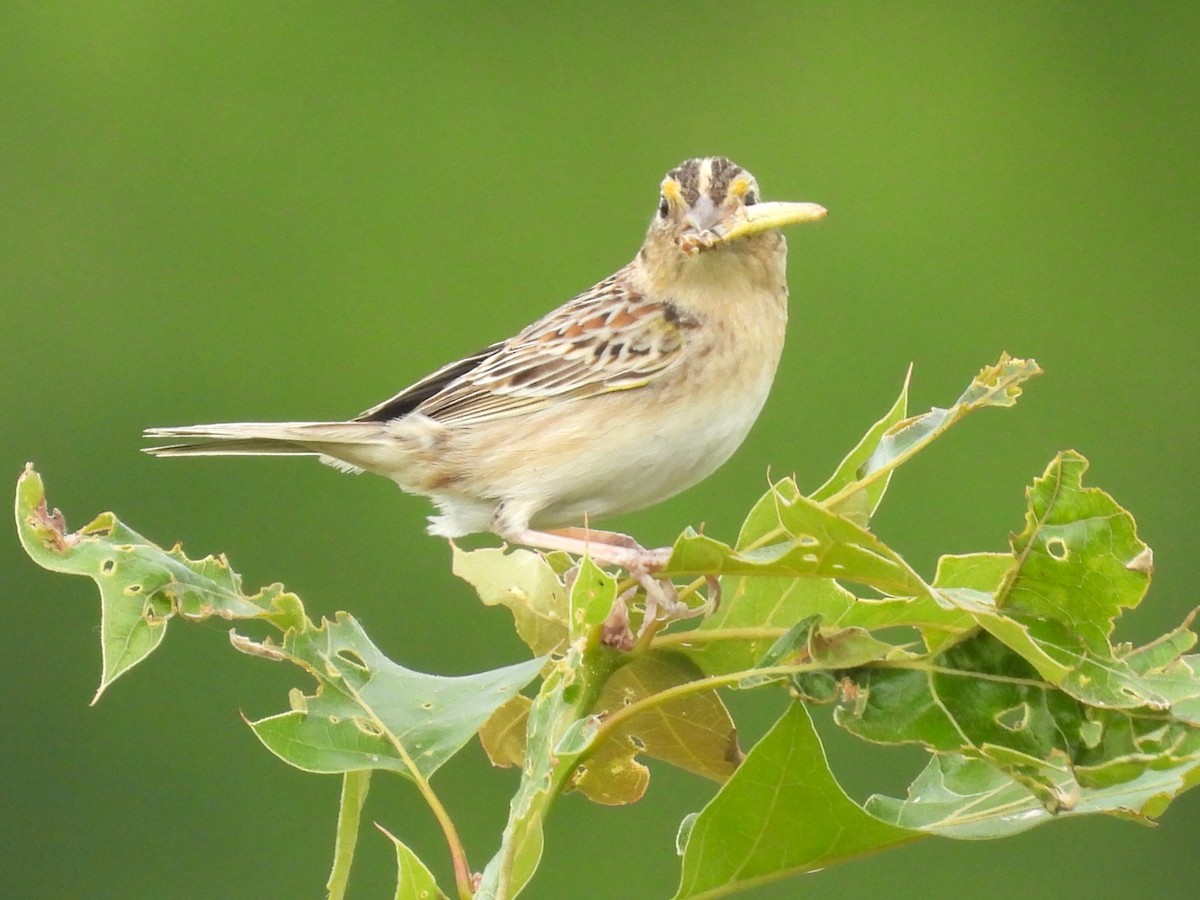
(748, 220)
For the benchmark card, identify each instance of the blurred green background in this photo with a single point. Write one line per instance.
(226, 211)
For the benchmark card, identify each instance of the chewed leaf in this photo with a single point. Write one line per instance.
(981, 700)
(503, 734)
(371, 713)
(693, 732)
(995, 385)
(527, 584)
(859, 506)
(141, 585)
(591, 596)
(1079, 559)
(967, 798)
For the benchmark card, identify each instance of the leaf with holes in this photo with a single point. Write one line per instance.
(1079, 559)
(371, 713)
(141, 585)
(693, 732)
(528, 584)
(965, 798)
(1055, 597)
(996, 385)
(981, 700)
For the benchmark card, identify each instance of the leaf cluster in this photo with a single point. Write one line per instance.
(1001, 665)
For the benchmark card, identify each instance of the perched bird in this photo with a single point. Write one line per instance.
(626, 395)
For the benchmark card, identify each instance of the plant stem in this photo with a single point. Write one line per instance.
(707, 636)
(458, 854)
(354, 795)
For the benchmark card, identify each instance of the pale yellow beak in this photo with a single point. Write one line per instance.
(747, 220)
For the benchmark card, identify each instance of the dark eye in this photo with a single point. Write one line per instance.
(751, 198)
(663, 207)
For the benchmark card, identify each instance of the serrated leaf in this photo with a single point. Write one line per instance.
(414, 881)
(141, 585)
(527, 584)
(763, 824)
(371, 713)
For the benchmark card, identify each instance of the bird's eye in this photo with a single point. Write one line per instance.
(751, 198)
(663, 207)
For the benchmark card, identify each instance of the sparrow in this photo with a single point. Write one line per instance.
(631, 392)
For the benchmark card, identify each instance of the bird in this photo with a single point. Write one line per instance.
(633, 391)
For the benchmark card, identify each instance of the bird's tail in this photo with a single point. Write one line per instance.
(349, 446)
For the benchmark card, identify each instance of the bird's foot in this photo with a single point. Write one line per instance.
(662, 604)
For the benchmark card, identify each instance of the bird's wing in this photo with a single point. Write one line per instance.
(416, 394)
(607, 339)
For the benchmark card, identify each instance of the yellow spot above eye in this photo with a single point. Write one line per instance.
(739, 186)
(670, 190)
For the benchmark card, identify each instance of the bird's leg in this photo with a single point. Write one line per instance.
(606, 547)
(617, 549)
(612, 548)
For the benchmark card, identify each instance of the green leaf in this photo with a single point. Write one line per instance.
(756, 611)
(527, 584)
(370, 713)
(971, 582)
(859, 506)
(995, 385)
(782, 813)
(807, 540)
(965, 798)
(1078, 560)
(141, 585)
(562, 707)
(981, 700)
(591, 596)
(413, 881)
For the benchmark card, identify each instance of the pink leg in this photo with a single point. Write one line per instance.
(605, 547)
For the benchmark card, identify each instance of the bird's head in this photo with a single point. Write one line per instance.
(712, 203)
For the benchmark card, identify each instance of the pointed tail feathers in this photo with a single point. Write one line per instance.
(267, 439)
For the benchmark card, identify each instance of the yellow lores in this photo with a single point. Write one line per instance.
(631, 392)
